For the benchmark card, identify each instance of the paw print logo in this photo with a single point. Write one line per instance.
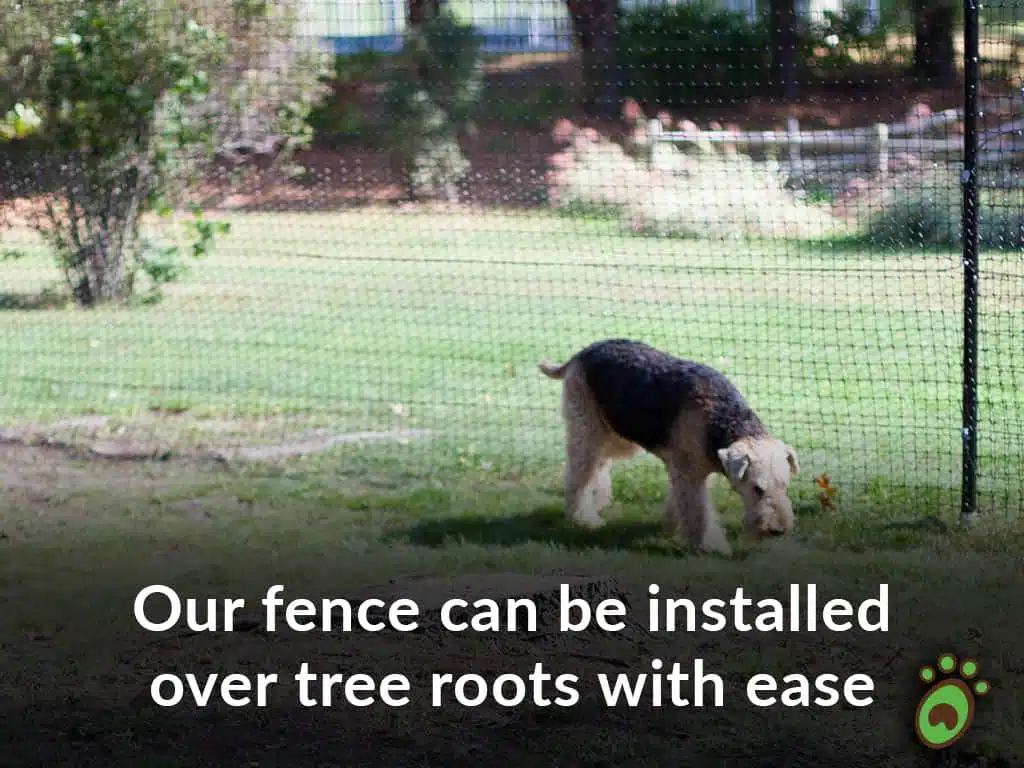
(946, 710)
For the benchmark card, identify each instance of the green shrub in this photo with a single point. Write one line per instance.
(1001, 221)
(675, 54)
(340, 119)
(531, 108)
(927, 211)
(125, 104)
(697, 192)
(22, 121)
(121, 108)
(432, 95)
(266, 85)
(829, 44)
(261, 89)
(671, 53)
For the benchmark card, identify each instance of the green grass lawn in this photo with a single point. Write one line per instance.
(377, 320)
(371, 321)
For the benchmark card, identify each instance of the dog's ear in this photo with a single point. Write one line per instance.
(735, 461)
(794, 465)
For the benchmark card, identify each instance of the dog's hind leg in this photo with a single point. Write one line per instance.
(587, 474)
(580, 475)
(582, 479)
(613, 449)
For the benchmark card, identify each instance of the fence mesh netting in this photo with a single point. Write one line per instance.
(458, 196)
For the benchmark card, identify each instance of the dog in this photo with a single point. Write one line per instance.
(623, 397)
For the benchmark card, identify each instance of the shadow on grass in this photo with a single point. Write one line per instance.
(23, 302)
(544, 525)
(632, 528)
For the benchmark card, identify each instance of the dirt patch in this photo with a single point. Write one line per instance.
(309, 447)
(47, 471)
(162, 437)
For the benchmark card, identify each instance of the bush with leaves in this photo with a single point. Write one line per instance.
(841, 42)
(673, 54)
(22, 121)
(431, 96)
(670, 52)
(261, 90)
(341, 119)
(926, 209)
(694, 191)
(121, 106)
(120, 109)
(266, 86)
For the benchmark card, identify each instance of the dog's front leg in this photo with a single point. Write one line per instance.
(689, 505)
(602, 486)
(672, 524)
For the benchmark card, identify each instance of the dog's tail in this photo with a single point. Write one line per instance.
(553, 371)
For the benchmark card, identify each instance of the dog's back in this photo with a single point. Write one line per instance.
(642, 392)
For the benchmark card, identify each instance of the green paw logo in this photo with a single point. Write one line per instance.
(946, 710)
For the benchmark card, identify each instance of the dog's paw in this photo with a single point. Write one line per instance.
(723, 550)
(715, 543)
(590, 522)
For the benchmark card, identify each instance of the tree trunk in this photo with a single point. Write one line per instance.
(595, 26)
(418, 11)
(934, 54)
(785, 49)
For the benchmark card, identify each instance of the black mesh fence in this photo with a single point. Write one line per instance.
(508, 183)
(275, 280)
(1001, 290)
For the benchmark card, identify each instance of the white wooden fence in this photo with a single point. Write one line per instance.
(872, 148)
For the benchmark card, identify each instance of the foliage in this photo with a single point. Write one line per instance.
(340, 118)
(157, 89)
(431, 98)
(848, 46)
(926, 210)
(25, 31)
(121, 101)
(532, 108)
(695, 192)
(20, 122)
(266, 86)
(262, 89)
(837, 40)
(674, 53)
(669, 52)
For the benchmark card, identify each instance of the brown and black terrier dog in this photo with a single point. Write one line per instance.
(621, 397)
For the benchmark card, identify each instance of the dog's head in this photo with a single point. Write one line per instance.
(759, 470)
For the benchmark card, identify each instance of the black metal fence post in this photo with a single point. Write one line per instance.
(970, 259)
